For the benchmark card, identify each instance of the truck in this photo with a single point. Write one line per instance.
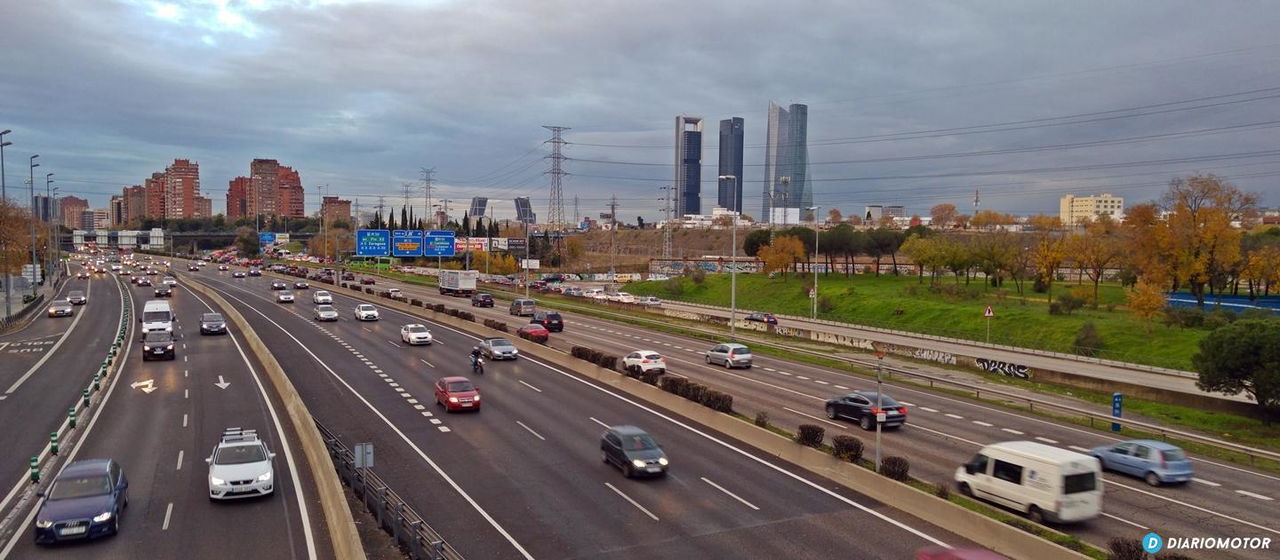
(460, 283)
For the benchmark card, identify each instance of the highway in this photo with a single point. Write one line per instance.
(160, 420)
(942, 432)
(522, 478)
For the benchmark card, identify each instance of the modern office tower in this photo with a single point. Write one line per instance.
(730, 191)
(478, 205)
(787, 187)
(688, 177)
(524, 211)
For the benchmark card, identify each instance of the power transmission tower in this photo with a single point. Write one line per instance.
(976, 201)
(426, 187)
(666, 226)
(576, 219)
(613, 234)
(556, 211)
(380, 206)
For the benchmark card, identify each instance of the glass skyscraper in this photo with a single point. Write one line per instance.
(730, 193)
(688, 179)
(787, 187)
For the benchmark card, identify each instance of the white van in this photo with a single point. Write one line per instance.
(157, 315)
(1042, 481)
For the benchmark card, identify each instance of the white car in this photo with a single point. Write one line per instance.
(240, 466)
(366, 312)
(644, 360)
(623, 297)
(395, 293)
(285, 296)
(415, 334)
(170, 281)
(651, 301)
(325, 313)
(321, 296)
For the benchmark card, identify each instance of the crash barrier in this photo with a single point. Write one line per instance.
(22, 314)
(410, 531)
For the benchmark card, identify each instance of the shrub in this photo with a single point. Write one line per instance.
(895, 467)
(1088, 341)
(868, 269)
(1185, 317)
(1069, 303)
(810, 435)
(1039, 286)
(715, 400)
(415, 302)
(943, 490)
(1055, 308)
(652, 376)
(1126, 549)
(438, 308)
(762, 419)
(608, 362)
(848, 448)
(673, 286)
(452, 312)
(466, 316)
(673, 384)
(1219, 318)
(825, 304)
(695, 391)
(697, 275)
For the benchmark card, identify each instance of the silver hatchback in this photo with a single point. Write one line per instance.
(729, 355)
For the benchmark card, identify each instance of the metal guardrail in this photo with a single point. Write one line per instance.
(394, 515)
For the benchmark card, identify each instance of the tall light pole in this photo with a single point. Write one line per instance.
(4, 250)
(31, 180)
(55, 226)
(733, 267)
(48, 212)
(816, 229)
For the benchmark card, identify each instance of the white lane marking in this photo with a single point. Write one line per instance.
(1205, 482)
(400, 389)
(821, 382)
(905, 403)
(393, 343)
(184, 420)
(1252, 495)
(770, 369)
(186, 373)
(593, 419)
(927, 409)
(391, 383)
(1195, 507)
(535, 434)
(731, 494)
(185, 394)
(410, 401)
(633, 502)
(426, 362)
(784, 373)
(426, 414)
(981, 423)
(1047, 440)
(374, 368)
(802, 377)
(841, 387)
(168, 511)
(184, 358)
(184, 346)
(49, 354)
(1077, 448)
(956, 416)
(179, 459)
(1123, 520)
(529, 386)
(435, 421)
(367, 329)
(419, 407)
(443, 428)
(1012, 431)
(814, 417)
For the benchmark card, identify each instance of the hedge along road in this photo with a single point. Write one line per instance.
(524, 476)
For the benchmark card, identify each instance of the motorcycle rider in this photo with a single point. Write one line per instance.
(475, 355)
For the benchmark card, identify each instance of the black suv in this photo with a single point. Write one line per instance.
(861, 407)
(481, 300)
(212, 323)
(158, 345)
(163, 290)
(550, 320)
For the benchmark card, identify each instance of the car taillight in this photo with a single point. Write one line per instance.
(902, 409)
(875, 410)
(644, 361)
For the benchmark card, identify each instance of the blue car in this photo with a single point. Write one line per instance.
(1156, 462)
(84, 502)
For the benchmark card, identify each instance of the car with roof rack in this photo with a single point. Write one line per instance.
(240, 466)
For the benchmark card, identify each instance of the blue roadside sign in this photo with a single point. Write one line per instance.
(266, 237)
(439, 243)
(373, 242)
(406, 243)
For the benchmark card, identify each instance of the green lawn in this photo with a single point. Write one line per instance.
(950, 310)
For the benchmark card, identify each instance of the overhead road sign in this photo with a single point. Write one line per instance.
(438, 243)
(406, 243)
(373, 243)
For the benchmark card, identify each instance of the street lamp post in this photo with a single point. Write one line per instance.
(4, 250)
(31, 180)
(48, 214)
(816, 229)
(733, 268)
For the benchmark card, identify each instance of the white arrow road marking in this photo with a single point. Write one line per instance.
(147, 386)
(222, 383)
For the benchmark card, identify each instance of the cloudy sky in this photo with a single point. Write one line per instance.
(911, 103)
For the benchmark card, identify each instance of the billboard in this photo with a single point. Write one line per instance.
(463, 244)
(516, 244)
(406, 243)
(438, 243)
(373, 242)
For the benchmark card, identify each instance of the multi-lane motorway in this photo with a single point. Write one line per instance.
(942, 431)
(160, 420)
(523, 477)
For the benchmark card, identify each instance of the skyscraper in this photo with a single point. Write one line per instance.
(182, 188)
(289, 193)
(478, 205)
(524, 211)
(688, 179)
(786, 164)
(70, 207)
(156, 196)
(730, 192)
(238, 198)
(264, 174)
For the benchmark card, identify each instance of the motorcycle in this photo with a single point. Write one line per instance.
(477, 365)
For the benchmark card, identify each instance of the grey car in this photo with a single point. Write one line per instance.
(212, 323)
(498, 349)
(634, 451)
(60, 308)
(730, 355)
(77, 297)
(325, 313)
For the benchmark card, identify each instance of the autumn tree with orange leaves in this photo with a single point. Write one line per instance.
(782, 254)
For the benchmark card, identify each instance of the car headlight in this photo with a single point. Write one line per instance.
(216, 481)
(169, 347)
(453, 399)
(639, 464)
(476, 398)
(264, 476)
(662, 461)
(43, 523)
(102, 517)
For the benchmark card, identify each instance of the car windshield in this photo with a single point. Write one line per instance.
(286, 293)
(366, 308)
(460, 386)
(80, 487)
(638, 442)
(416, 329)
(1174, 455)
(211, 318)
(150, 316)
(322, 293)
(158, 336)
(240, 454)
(1075, 483)
(498, 342)
(76, 294)
(324, 308)
(61, 303)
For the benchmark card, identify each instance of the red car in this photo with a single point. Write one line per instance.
(366, 280)
(457, 393)
(534, 332)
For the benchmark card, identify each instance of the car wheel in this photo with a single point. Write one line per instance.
(1102, 463)
(866, 423)
(1152, 479)
(708, 359)
(831, 412)
(728, 364)
(626, 470)
(965, 490)
(1035, 515)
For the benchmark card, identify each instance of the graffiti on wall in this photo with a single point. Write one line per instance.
(1003, 368)
(935, 356)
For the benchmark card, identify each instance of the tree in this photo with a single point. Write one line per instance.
(995, 255)
(782, 254)
(834, 216)
(639, 222)
(924, 252)
(1145, 302)
(574, 248)
(887, 242)
(990, 219)
(754, 241)
(1049, 250)
(247, 241)
(839, 241)
(854, 220)
(942, 215)
(1242, 356)
(1204, 244)
(1095, 251)
(466, 225)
